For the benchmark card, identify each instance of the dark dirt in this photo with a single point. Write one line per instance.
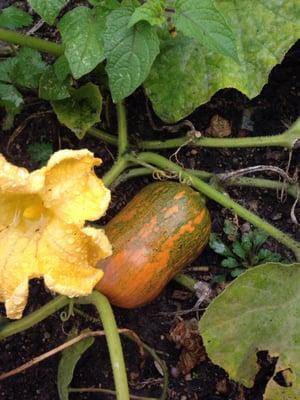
(276, 107)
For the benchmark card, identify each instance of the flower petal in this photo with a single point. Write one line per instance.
(72, 189)
(67, 257)
(18, 246)
(14, 179)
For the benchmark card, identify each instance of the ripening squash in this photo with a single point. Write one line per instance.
(160, 231)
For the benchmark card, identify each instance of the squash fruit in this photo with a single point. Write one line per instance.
(160, 231)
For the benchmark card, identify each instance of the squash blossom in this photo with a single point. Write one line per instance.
(42, 227)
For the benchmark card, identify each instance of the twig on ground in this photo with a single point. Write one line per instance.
(71, 342)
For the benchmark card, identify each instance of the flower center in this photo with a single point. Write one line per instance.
(33, 212)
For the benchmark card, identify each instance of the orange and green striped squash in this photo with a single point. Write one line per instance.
(160, 231)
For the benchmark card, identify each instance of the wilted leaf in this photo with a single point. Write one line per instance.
(70, 357)
(13, 17)
(82, 31)
(130, 52)
(51, 88)
(47, 9)
(80, 111)
(258, 311)
(185, 334)
(201, 20)
(186, 74)
(151, 11)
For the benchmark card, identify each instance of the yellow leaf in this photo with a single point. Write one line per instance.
(42, 232)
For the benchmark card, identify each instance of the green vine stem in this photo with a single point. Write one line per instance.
(113, 341)
(11, 328)
(42, 45)
(109, 324)
(186, 281)
(106, 391)
(122, 129)
(291, 189)
(119, 166)
(104, 136)
(212, 193)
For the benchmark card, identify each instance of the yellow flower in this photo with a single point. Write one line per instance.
(42, 232)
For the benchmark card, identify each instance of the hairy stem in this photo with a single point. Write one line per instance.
(291, 189)
(42, 45)
(11, 328)
(219, 197)
(113, 341)
(104, 136)
(119, 166)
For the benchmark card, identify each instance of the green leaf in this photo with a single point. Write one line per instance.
(28, 68)
(218, 246)
(258, 311)
(247, 241)
(61, 68)
(259, 238)
(81, 111)
(109, 4)
(6, 69)
(13, 18)
(236, 272)
(186, 74)
(82, 32)
(51, 88)
(70, 357)
(10, 98)
(230, 262)
(40, 152)
(153, 11)
(266, 255)
(230, 230)
(130, 52)
(201, 20)
(47, 9)
(238, 250)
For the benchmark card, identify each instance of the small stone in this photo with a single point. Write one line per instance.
(47, 335)
(276, 216)
(194, 152)
(219, 127)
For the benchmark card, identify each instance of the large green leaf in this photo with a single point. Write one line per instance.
(47, 9)
(153, 11)
(13, 17)
(82, 31)
(80, 111)
(70, 357)
(260, 310)
(200, 19)
(52, 88)
(186, 74)
(130, 52)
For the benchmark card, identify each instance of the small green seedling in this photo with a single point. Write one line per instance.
(40, 152)
(246, 249)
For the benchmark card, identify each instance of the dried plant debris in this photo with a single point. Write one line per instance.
(186, 336)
